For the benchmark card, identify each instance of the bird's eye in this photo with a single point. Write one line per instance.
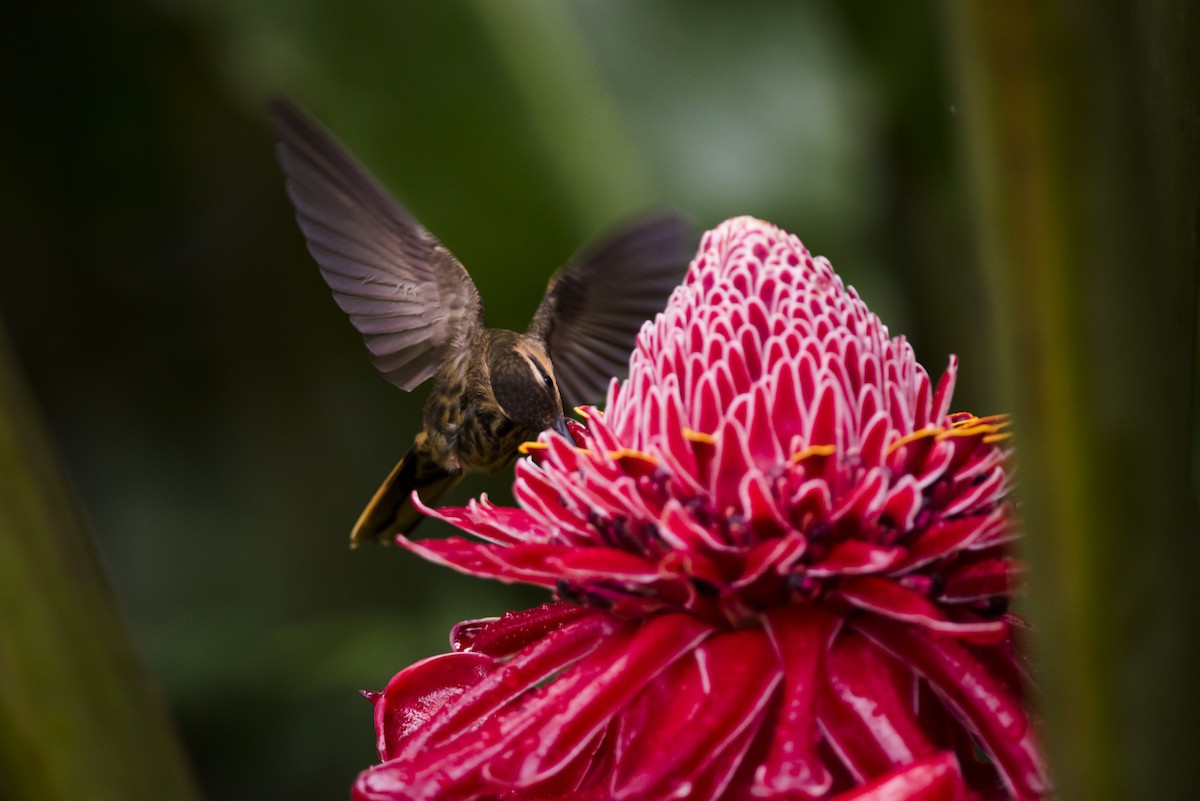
(547, 378)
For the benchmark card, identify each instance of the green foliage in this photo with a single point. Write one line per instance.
(78, 716)
(1085, 147)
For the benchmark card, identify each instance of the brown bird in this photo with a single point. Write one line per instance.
(422, 318)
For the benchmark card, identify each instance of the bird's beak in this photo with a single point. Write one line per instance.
(560, 425)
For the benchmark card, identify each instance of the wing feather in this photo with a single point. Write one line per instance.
(402, 289)
(595, 306)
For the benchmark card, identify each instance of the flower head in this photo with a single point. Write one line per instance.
(780, 568)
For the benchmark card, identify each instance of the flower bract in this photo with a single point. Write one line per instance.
(780, 567)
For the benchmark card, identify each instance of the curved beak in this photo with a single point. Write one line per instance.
(560, 425)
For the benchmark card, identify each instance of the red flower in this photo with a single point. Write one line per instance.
(780, 568)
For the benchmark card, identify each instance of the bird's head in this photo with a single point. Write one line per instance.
(522, 378)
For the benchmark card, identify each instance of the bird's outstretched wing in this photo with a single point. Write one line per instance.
(595, 306)
(404, 291)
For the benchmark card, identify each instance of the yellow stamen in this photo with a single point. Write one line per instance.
(990, 438)
(812, 450)
(970, 431)
(927, 431)
(966, 420)
(696, 436)
(526, 447)
(629, 453)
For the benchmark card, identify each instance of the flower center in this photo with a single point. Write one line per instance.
(735, 537)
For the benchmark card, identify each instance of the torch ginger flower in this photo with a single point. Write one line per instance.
(780, 569)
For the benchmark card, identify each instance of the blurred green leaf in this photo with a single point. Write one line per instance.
(1084, 143)
(79, 716)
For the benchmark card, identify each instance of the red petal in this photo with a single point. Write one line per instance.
(497, 524)
(759, 508)
(718, 773)
(490, 561)
(579, 432)
(872, 448)
(764, 444)
(707, 411)
(801, 636)
(868, 710)
(513, 631)
(682, 531)
(867, 496)
(522, 673)
(902, 504)
(811, 502)
(603, 564)
(1003, 529)
(887, 598)
(853, 557)
(776, 555)
(980, 495)
(980, 580)
(919, 455)
(566, 714)
(785, 401)
(732, 461)
(944, 538)
(823, 427)
(676, 450)
(978, 698)
(420, 691)
(945, 388)
(696, 710)
(933, 779)
(443, 758)
(544, 565)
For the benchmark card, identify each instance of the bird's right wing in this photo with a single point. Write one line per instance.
(595, 306)
(404, 291)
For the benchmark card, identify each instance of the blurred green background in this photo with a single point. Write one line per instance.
(216, 413)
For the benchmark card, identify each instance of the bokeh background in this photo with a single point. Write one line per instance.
(217, 415)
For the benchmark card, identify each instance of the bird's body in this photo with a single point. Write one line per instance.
(464, 426)
(422, 318)
(465, 423)
(465, 431)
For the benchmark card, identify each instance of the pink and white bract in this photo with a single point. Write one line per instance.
(780, 569)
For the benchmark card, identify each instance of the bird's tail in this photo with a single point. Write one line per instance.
(391, 510)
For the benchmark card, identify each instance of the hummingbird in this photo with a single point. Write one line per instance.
(422, 318)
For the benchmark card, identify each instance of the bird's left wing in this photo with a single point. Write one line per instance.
(403, 290)
(595, 306)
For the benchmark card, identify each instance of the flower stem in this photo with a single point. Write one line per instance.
(79, 717)
(1082, 134)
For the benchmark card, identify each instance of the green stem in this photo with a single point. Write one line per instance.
(1082, 135)
(79, 718)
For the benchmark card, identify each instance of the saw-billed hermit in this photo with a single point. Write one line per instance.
(421, 317)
